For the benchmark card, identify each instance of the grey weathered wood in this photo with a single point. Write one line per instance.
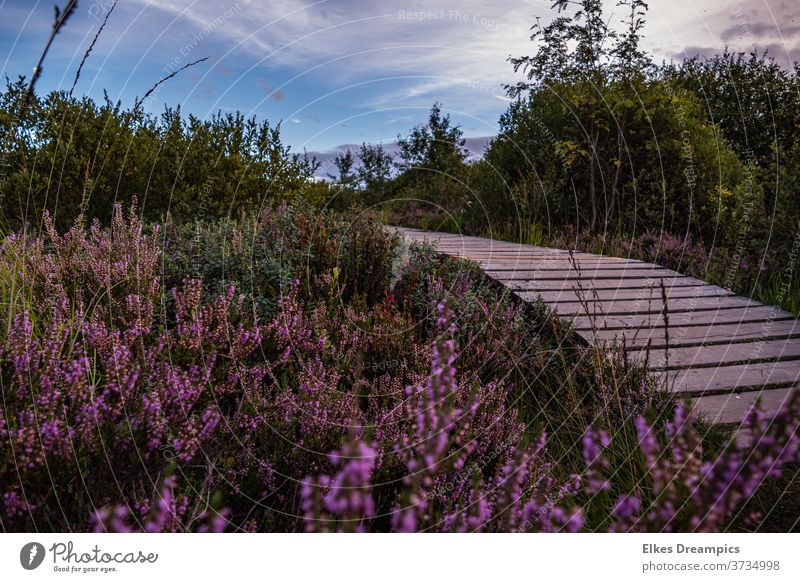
(585, 268)
(556, 285)
(733, 407)
(725, 350)
(683, 336)
(735, 378)
(632, 322)
(705, 356)
(571, 295)
(645, 305)
(549, 259)
(584, 274)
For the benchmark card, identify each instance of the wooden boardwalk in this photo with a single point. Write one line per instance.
(723, 350)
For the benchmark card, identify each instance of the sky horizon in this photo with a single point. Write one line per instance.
(340, 71)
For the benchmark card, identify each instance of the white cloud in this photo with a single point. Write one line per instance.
(412, 52)
(451, 44)
(684, 28)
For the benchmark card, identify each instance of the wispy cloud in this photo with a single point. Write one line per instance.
(347, 68)
(347, 40)
(685, 28)
(452, 50)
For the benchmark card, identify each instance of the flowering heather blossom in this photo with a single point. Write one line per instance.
(346, 497)
(593, 443)
(455, 435)
(769, 444)
(690, 494)
(293, 328)
(169, 514)
(435, 422)
(131, 407)
(625, 513)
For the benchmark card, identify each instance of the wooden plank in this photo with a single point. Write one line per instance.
(466, 243)
(679, 336)
(469, 251)
(502, 257)
(464, 239)
(541, 266)
(482, 245)
(676, 306)
(742, 377)
(732, 408)
(584, 275)
(710, 356)
(510, 257)
(756, 313)
(570, 295)
(545, 254)
(551, 285)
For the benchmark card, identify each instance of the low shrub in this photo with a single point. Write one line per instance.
(334, 404)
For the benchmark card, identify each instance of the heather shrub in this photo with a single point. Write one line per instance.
(265, 253)
(113, 272)
(557, 382)
(453, 483)
(139, 398)
(91, 403)
(111, 379)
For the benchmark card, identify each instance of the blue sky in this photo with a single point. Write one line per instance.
(344, 71)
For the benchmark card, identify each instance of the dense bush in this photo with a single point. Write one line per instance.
(696, 160)
(265, 254)
(128, 404)
(649, 174)
(75, 157)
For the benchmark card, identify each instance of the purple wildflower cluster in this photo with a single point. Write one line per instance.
(452, 482)
(167, 514)
(127, 406)
(95, 386)
(689, 493)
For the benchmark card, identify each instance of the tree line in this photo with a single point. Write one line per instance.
(597, 138)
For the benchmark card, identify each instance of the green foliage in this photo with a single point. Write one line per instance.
(265, 255)
(433, 160)
(750, 97)
(75, 157)
(344, 162)
(672, 183)
(374, 173)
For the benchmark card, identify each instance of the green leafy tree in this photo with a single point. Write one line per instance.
(75, 157)
(346, 175)
(599, 138)
(375, 171)
(749, 96)
(573, 59)
(433, 158)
